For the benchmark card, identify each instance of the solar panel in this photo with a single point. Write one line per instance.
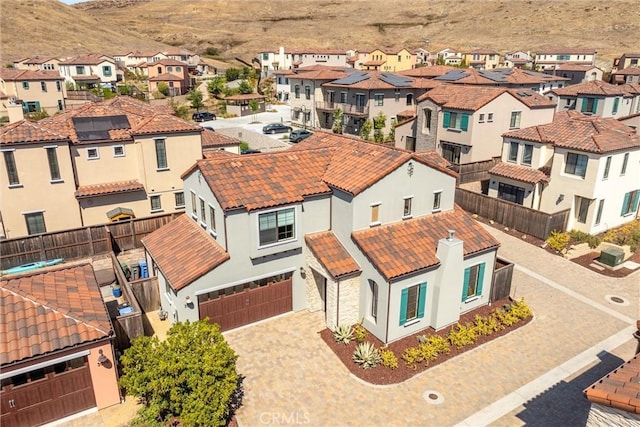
(96, 128)
(495, 77)
(352, 78)
(395, 80)
(452, 76)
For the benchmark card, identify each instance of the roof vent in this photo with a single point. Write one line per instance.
(451, 235)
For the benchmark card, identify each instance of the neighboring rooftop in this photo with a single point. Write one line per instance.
(619, 389)
(472, 98)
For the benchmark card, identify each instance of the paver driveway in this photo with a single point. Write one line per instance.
(292, 378)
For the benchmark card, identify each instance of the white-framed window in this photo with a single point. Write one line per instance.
(12, 170)
(527, 154)
(373, 298)
(296, 91)
(427, 119)
(473, 279)
(406, 212)
(489, 117)
(194, 207)
(161, 154)
(307, 92)
(481, 118)
(212, 220)
(412, 303)
(437, 196)
(179, 196)
(513, 151)
(203, 213)
(378, 99)
(607, 167)
(576, 164)
(156, 205)
(25, 85)
(515, 119)
(375, 214)
(599, 212)
(276, 226)
(54, 167)
(93, 153)
(118, 151)
(630, 203)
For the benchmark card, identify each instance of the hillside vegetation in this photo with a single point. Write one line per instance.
(244, 27)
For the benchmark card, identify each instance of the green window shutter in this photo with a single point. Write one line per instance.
(595, 106)
(464, 122)
(422, 299)
(37, 105)
(625, 202)
(480, 279)
(447, 119)
(584, 105)
(465, 286)
(636, 200)
(403, 306)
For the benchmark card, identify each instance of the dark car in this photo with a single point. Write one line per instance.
(299, 134)
(203, 116)
(276, 128)
(250, 151)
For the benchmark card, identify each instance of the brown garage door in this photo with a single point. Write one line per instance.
(243, 304)
(45, 395)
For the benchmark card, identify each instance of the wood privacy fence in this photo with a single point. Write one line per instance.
(79, 242)
(501, 287)
(477, 171)
(130, 325)
(528, 221)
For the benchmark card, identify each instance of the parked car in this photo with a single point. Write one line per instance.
(299, 134)
(203, 116)
(276, 128)
(250, 151)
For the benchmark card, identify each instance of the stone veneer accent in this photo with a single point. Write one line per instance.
(424, 141)
(349, 293)
(603, 416)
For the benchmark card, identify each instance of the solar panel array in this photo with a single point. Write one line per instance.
(97, 128)
(352, 78)
(494, 77)
(395, 80)
(452, 76)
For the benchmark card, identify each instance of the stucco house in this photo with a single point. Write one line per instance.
(629, 75)
(598, 98)
(35, 90)
(287, 59)
(548, 59)
(481, 59)
(518, 59)
(387, 60)
(576, 73)
(56, 352)
(45, 63)
(354, 229)
(465, 123)
(587, 164)
(90, 70)
(626, 60)
(175, 74)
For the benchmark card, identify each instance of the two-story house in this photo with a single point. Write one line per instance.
(518, 59)
(449, 56)
(481, 59)
(551, 58)
(88, 165)
(45, 63)
(354, 229)
(90, 70)
(584, 163)
(626, 60)
(282, 59)
(465, 123)
(598, 98)
(576, 73)
(175, 74)
(387, 60)
(35, 90)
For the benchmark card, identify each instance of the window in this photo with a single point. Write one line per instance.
(630, 202)
(490, 117)
(437, 196)
(473, 278)
(427, 119)
(60, 105)
(451, 153)
(373, 290)
(25, 85)
(155, 203)
(106, 70)
(203, 213)
(35, 223)
(343, 97)
(513, 151)
(296, 91)
(624, 164)
(265, 56)
(12, 170)
(43, 86)
(456, 121)
(118, 151)
(607, 166)
(599, 214)
(194, 207)
(80, 69)
(576, 164)
(161, 154)
(276, 226)
(515, 119)
(93, 153)
(589, 105)
(212, 219)
(583, 209)
(511, 193)
(59, 86)
(307, 92)
(54, 168)
(375, 214)
(409, 99)
(379, 99)
(412, 303)
(179, 199)
(481, 118)
(396, 94)
(178, 68)
(407, 207)
(527, 155)
(616, 103)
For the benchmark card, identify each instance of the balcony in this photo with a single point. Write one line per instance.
(349, 109)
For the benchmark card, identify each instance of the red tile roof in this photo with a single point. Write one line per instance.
(183, 251)
(472, 98)
(519, 173)
(574, 67)
(245, 96)
(594, 87)
(321, 74)
(619, 389)
(212, 139)
(108, 188)
(629, 71)
(164, 123)
(332, 255)
(48, 311)
(16, 75)
(218, 154)
(165, 77)
(566, 50)
(501, 77)
(427, 72)
(373, 81)
(26, 131)
(87, 59)
(577, 131)
(409, 246)
(168, 62)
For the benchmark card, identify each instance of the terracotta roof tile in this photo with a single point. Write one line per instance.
(165, 77)
(374, 80)
(26, 131)
(183, 251)
(164, 123)
(499, 76)
(574, 67)
(168, 62)
(332, 255)
(409, 246)
(519, 173)
(218, 154)
(211, 139)
(318, 74)
(619, 389)
(108, 188)
(472, 98)
(594, 87)
(86, 59)
(245, 96)
(48, 311)
(14, 74)
(629, 71)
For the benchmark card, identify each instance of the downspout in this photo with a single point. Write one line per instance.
(226, 241)
(386, 337)
(337, 304)
(75, 180)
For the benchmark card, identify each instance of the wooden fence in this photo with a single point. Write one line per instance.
(146, 293)
(528, 221)
(502, 275)
(130, 325)
(79, 242)
(477, 171)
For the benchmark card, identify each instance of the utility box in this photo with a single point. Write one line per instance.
(135, 271)
(611, 256)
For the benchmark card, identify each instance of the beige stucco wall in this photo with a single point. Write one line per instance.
(48, 99)
(603, 416)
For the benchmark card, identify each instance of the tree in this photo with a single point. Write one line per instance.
(232, 74)
(245, 87)
(378, 124)
(195, 97)
(216, 86)
(392, 132)
(190, 376)
(181, 110)
(337, 121)
(365, 131)
(163, 88)
(440, 60)
(254, 106)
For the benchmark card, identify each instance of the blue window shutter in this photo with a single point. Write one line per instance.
(465, 286)
(584, 105)
(480, 279)
(595, 106)
(464, 122)
(447, 119)
(37, 105)
(625, 203)
(422, 299)
(636, 200)
(403, 306)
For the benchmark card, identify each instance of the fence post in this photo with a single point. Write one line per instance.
(43, 253)
(108, 236)
(133, 233)
(91, 250)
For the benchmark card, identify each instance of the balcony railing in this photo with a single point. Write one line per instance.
(350, 109)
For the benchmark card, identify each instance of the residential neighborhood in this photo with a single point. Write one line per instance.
(318, 235)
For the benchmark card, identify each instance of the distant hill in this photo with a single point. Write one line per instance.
(244, 27)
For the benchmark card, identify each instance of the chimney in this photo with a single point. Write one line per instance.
(15, 112)
(449, 281)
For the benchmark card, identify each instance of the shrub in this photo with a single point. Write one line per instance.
(506, 317)
(461, 335)
(628, 234)
(343, 334)
(428, 353)
(593, 241)
(388, 358)
(440, 344)
(411, 356)
(484, 326)
(558, 241)
(359, 332)
(579, 236)
(521, 310)
(422, 339)
(366, 355)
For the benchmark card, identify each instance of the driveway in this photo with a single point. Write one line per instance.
(534, 375)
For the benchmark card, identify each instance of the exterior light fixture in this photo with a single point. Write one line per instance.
(188, 302)
(410, 169)
(102, 359)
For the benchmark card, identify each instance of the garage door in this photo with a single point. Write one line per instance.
(48, 394)
(247, 303)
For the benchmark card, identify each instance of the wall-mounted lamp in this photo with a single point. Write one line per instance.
(188, 302)
(410, 169)
(102, 359)
(303, 272)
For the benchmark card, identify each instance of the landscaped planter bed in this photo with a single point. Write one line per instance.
(383, 375)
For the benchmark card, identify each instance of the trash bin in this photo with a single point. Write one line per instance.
(144, 272)
(125, 270)
(117, 291)
(135, 271)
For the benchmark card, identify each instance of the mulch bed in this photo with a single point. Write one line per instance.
(383, 375)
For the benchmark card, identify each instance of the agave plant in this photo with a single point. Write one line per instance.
(366, 355)
(343, 334)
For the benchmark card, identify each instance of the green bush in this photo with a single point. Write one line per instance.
(593, 241)
(579, 236)
(343, 333)
(558, 241)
